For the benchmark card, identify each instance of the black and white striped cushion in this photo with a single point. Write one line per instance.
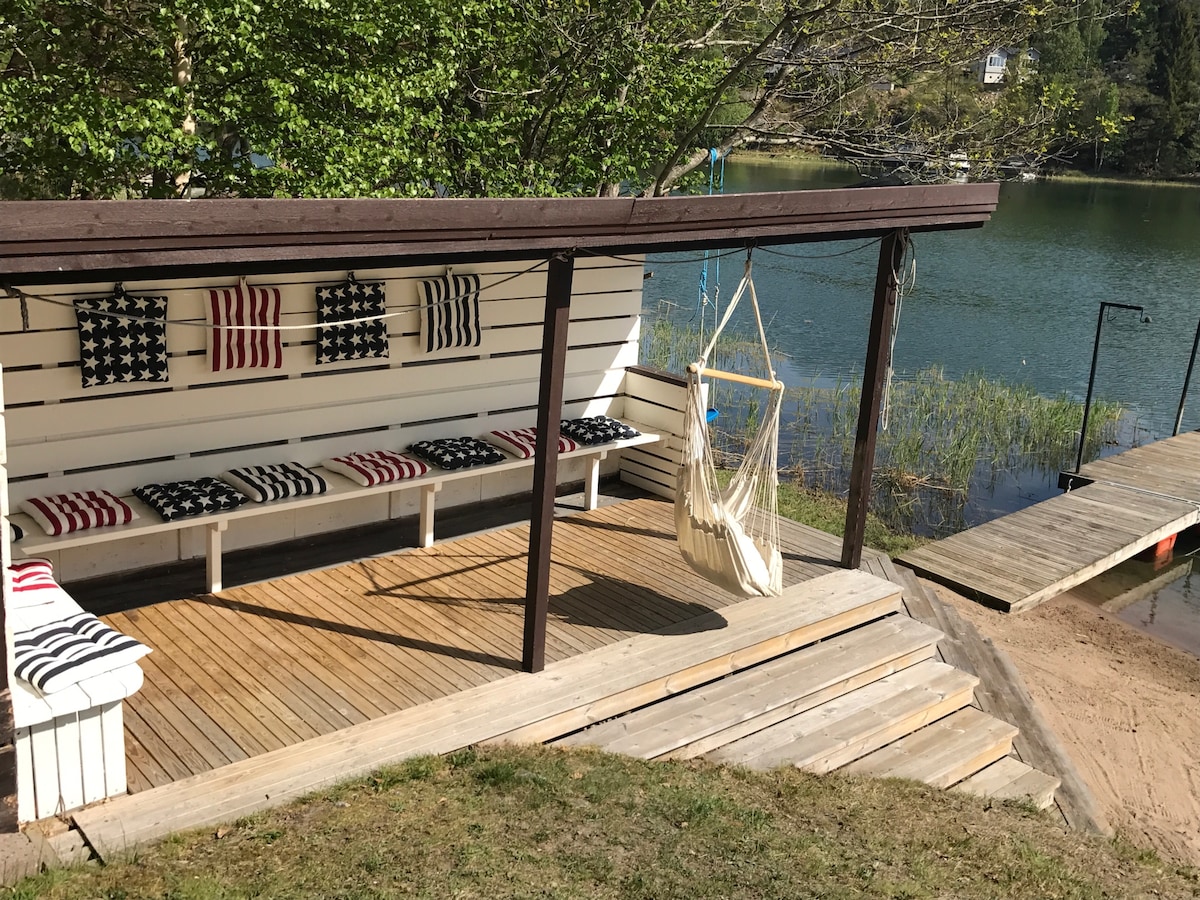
(274, 482)
(60, 654)
(450, 317)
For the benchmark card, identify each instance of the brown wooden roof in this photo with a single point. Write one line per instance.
(63, 241)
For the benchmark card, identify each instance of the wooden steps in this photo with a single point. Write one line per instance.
(944, 753)
(1011, 779)
(719, 713)
(566, 696)
(851, 726)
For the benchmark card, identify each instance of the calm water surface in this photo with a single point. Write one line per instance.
(1017, 299)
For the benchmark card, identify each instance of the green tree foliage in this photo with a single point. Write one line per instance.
(108, 98)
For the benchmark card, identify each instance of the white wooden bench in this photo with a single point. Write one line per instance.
(36, 542)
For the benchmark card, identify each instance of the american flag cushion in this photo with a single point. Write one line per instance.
(593, 430)
(340, 337)
(376, 467)
(33, 583)
(60, 654)
(450, 314)
(457, 453)
(522, 442)
(181, 499)
(113, 349)
(275, 482)
(75, 511)
(237, 338)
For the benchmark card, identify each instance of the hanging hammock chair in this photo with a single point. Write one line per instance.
(730, 535)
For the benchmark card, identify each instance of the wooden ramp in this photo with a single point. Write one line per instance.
(1023, 559)
(1170, 467)
(568, 695)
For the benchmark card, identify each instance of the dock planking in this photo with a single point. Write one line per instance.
(1025, 558)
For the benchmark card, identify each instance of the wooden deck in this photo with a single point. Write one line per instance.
(269, 665)
(1132, 501)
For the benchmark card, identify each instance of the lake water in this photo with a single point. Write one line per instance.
(1017, 299)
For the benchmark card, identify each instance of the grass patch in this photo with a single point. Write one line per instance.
(827, 512)
(590, 825)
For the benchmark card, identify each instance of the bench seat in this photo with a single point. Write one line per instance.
(36, 542)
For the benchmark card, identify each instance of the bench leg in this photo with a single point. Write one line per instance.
(591, 485)
(213, 555)
(428, 492)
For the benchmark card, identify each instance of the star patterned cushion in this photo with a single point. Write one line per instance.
(180, 499)
(457, 453)
(115, 350)
(77, 510)
(274, 482)
(597, 430)
(359, 340)
(376, 467)
(522, 442)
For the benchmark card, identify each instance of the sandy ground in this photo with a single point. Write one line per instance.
(1125, 706)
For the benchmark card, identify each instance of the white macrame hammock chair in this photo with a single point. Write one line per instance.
(731, 535)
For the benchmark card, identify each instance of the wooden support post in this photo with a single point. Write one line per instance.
(212, 554)
(428, 495)
(591, 484)
(879, 341)
(8, 752)
(545, 465)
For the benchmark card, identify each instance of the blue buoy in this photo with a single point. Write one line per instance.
(711, 416)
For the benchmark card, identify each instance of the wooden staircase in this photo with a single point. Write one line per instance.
(832, 673)
(872, 699)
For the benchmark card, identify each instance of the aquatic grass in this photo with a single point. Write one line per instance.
(948, 440)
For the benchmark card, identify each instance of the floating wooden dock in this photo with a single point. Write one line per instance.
(1118, 507)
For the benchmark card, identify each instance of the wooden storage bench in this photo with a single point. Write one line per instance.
(37, 543)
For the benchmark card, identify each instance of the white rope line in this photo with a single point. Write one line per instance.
(25, 296)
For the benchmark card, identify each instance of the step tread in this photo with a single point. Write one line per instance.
(1010, 779)
(850, 726)
(754, 698)
(567, 695)
(944, 752)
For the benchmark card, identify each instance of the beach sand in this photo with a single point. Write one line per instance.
(1125, 706)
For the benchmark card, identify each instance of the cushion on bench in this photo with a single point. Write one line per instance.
(64, 513)
(457, 453)
(522, 442)
(597, 430)
(374, 467)
(33, 584)
(275, 482)
(62, 653)
(180, 499)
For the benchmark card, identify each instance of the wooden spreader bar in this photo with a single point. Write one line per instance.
(734, 376)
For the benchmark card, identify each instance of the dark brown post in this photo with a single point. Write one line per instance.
(891, 253)
(545, 464)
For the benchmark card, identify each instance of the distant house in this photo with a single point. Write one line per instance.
(991, 69)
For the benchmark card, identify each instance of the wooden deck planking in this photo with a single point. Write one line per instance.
(1021, 559)
(261, 667)
(1170, 467)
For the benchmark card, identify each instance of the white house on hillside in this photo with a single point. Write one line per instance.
(991, 68)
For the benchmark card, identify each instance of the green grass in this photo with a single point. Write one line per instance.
(512, 822)
(828, 513)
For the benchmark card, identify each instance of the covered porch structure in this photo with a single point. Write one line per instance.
(446, 619)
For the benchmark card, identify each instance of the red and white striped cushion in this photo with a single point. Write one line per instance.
(523, 441)
(244, 348)
(376, 467)
(33, 584)
(64, 513)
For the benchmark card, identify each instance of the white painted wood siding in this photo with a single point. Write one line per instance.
(61, 436)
